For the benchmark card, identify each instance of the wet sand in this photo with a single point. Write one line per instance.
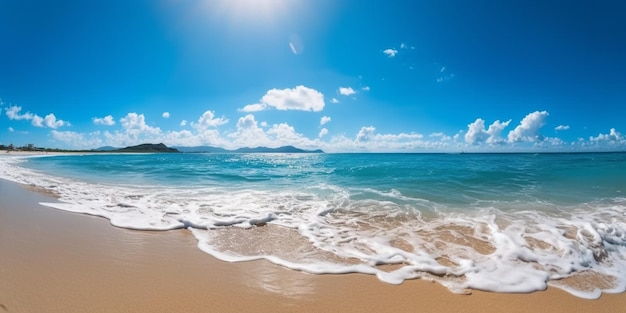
(55, 261)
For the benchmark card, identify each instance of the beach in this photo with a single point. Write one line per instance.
(55, 261)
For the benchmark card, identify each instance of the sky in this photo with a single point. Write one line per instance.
(341, 76)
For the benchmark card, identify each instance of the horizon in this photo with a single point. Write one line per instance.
(444, 77)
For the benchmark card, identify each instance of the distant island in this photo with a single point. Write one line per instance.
(147, 148)
(161, 148)
(211, 149)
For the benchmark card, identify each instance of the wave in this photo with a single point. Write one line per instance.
(500, 246)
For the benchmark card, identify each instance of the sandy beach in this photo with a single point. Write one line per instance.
(54, 261)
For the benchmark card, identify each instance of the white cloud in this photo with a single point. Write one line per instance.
(107, 120)
(441, 136)
(562, 127)
(365, 134)
(11, 129)
(52, 122)
(366, 88)
(612, 136)
(166, 115)
(208, 120)
(264, 124)
(334, 100)
(37, 121)
(183, 123)
(528, 129)
(300, 98)
(390, 52)
(78, 140)
(476, 132)
(323, 132)
(135, 125)
(346, 91)
(13, 113)
(324, 120)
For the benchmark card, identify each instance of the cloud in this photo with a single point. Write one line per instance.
(334, 100)
(324, 120)
(13, 113)
(37, 121)
(11, 129)
(476, 132)
(562, 127)
(441, 136)
(183, 123)
(135, 125)
(365, 134)
(208, 120)
(166, 115)
(107, 120)
(390, 52)
(51, 121)
(323, 132)
(366, 88)
(612, 136)
(300, 98)
(346, 91)
(78, 140)
(528, 129)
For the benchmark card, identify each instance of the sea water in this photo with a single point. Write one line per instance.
(495, 222)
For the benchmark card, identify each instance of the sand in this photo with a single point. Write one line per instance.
(55, 261)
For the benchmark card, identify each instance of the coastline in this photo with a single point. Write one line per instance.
(55, 261)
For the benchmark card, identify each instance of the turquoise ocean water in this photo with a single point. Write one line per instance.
(497, 222)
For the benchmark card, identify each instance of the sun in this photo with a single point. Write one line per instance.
(245, 11)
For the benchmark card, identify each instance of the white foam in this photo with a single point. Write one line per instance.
(486, 247)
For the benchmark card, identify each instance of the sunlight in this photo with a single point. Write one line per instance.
(240, 11)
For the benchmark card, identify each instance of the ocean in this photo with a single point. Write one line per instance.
(494, 222)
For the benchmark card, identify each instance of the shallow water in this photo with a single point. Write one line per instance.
(497, 222)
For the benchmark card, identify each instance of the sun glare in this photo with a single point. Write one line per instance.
(251, 10)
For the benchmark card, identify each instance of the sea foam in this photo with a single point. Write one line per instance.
(500, 246)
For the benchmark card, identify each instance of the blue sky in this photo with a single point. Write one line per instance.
(336, 75)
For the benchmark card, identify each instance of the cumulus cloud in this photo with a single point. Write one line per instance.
(562, 127)
(528, 129)
(366, 88)
(135, 125)
(323, 132)
(78, 140)
(13, 113)
(183, 123)
(107, 120)
(166, 115)
(365, 134)
(208, 120)
(476, 132)
(334, 100)
(390, 52)
(612, 136)
(51, 121)
(324, 120)
(37, 121)
(300, 98)
(346, 91)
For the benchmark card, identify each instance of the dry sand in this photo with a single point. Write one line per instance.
(54, 261)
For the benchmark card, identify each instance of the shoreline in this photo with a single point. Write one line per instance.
(56, 261)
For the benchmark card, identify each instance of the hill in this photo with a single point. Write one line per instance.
(210, 149)
(148, 147)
